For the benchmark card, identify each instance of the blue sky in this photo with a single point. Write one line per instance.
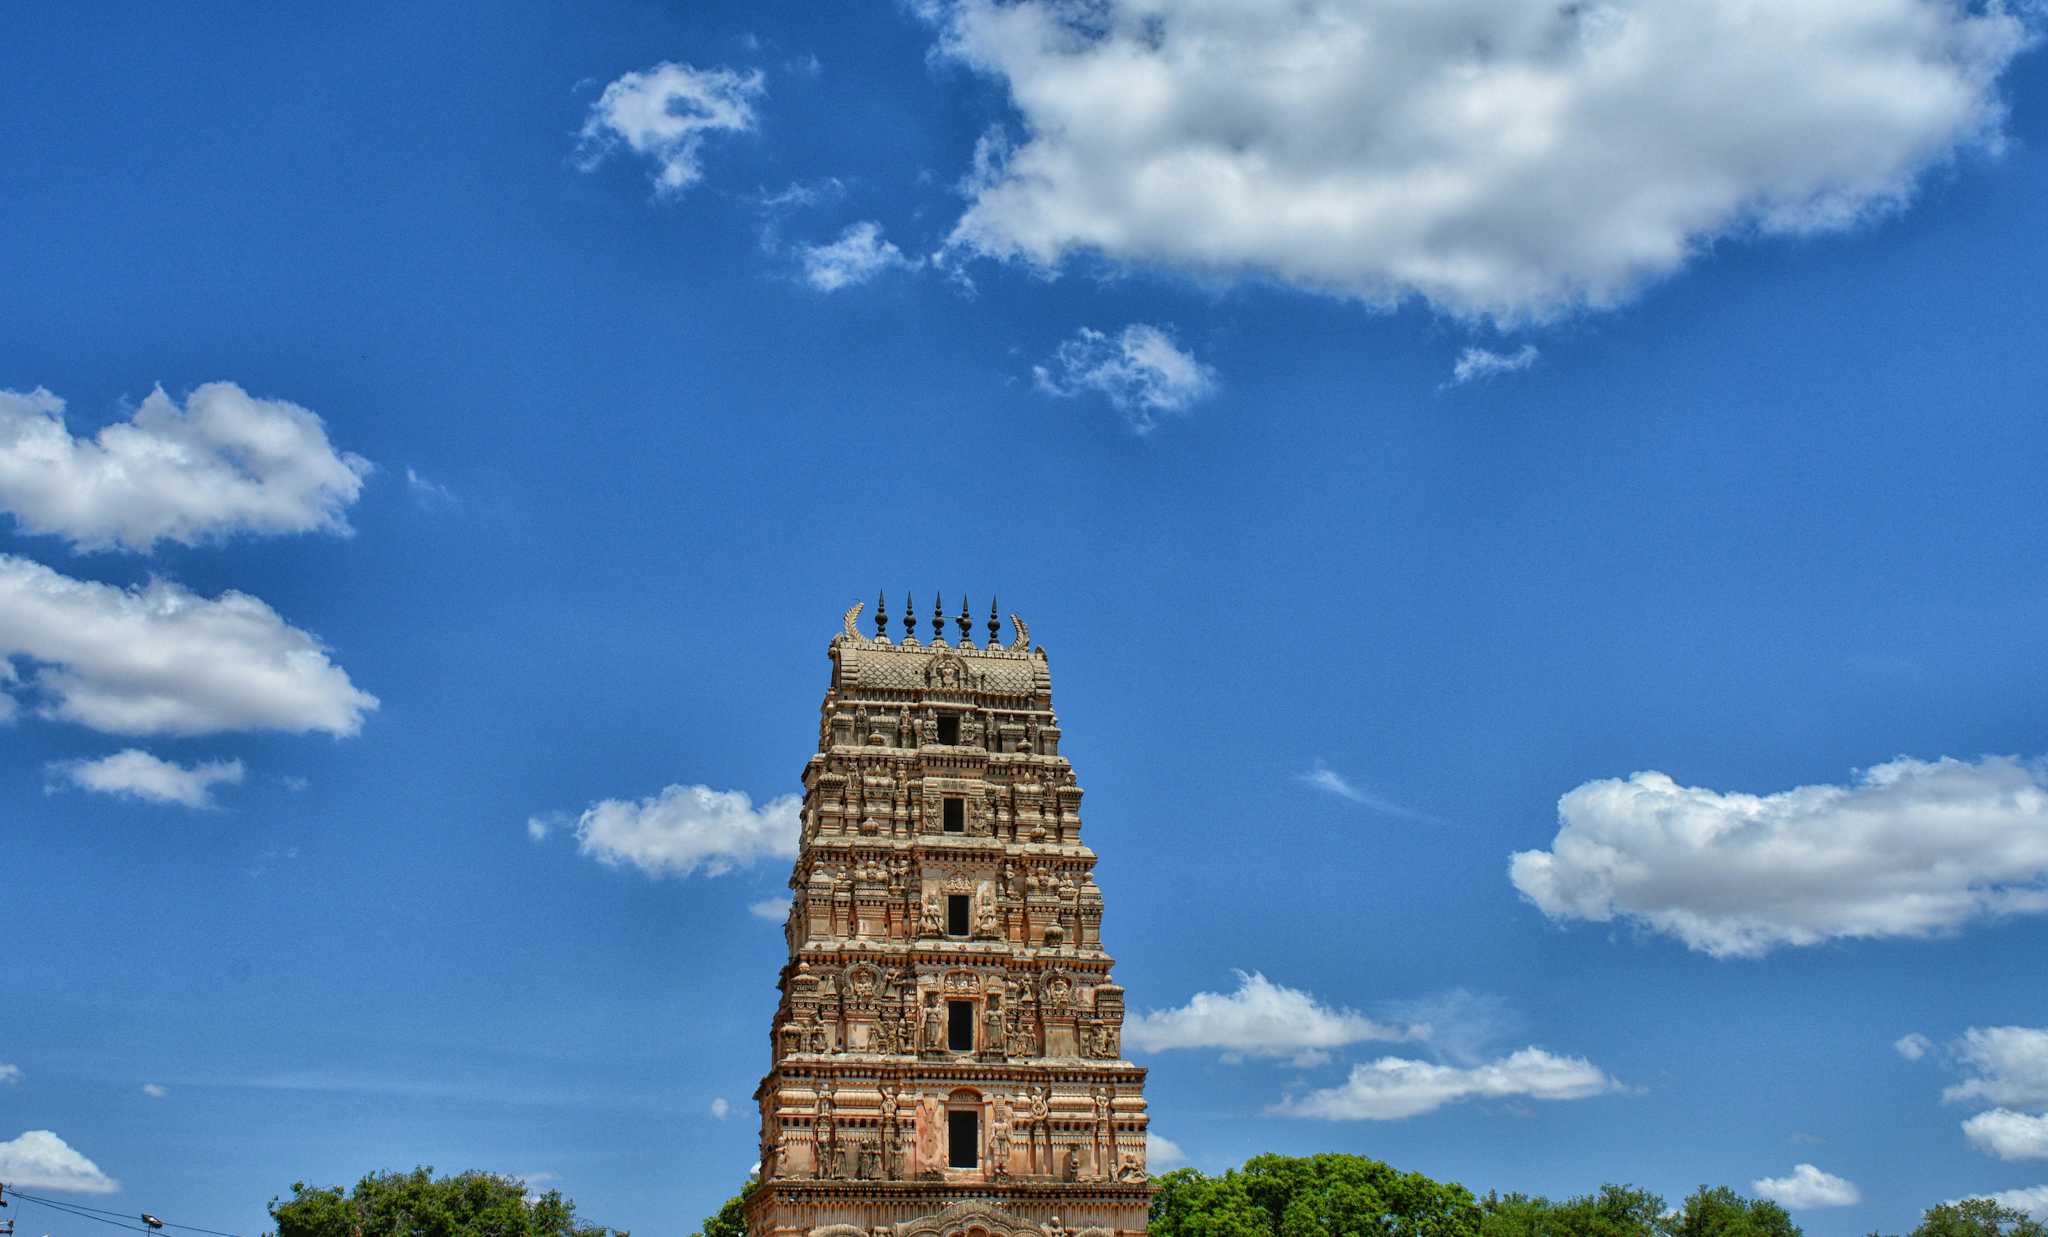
(1535, 518)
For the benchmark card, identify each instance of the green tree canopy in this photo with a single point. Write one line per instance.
(1616, 1211)
(1721, 1212)
(418, 1204)
(1977, 1217)
(1311, 1196)
(729, 1220)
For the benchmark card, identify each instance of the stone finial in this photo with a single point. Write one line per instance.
(938, 618)
(881, 617)
(909, 619)
(995, 628)
(965, 624)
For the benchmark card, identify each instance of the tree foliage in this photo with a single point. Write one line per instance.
(418, 1204)
(729, 1220)
(1616, 1211)
(1311, 1196)
(1977, 1217)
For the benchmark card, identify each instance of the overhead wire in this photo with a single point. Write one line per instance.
(122, 1219)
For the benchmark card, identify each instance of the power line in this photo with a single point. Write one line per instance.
(99, 1213)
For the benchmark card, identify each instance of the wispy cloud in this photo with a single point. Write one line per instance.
(135, 774)
(1477, 363)
(857, 256)
(1393, 1088)
(1141, 371)
(665, 113)
(1330, 781)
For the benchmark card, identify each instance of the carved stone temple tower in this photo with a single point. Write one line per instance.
(948, 1053)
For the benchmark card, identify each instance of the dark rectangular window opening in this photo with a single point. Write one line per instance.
(949, 728)
(963, 1140)
(956, 815)
(960, 1026)
(958, 907)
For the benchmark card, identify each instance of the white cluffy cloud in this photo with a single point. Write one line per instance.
(2009, 1135)
(1492, 156)
(1162, 1153)
(9, 1074)
(2033, 1200)
(1393, 1088)
(1141, 372)
(774, 910)
(1260, 1019)
(1910, 848)
(224, 463)
(155, 1090)
(40, 1160)
(685, 829)
(1912, 1045)
(135, 774)
(857, 256)
(1808, 1187)
(2007, 1065)
(1477, 363)
(665, 113)
(720, 1109)
(160, 659)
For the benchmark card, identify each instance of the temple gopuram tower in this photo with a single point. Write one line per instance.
(947, 1051)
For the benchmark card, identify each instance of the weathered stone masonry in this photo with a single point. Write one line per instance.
(947, 1052)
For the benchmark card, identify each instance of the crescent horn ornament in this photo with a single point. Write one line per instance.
(1022, 642)
(852, 616)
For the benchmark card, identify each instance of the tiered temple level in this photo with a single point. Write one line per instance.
(948, 1047)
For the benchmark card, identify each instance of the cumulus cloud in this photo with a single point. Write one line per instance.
(1909, 848)
(135, 774)
(774, 910)
(1912, 1045)
(224, 463)
(2008, 1135)
(857, 256)
(1477, 363)
(1260, 1019)
(1808, 1187)
(1141, 372)
(720, 1109)
(160, 659)
(2007, 1065)
(40, 1160)
(1494, 157)
(2033, 1200)
(1162, 1153)
(687, 829)
(665, 113)
(9, 1074)
(1393, 1088)
(155, 1090)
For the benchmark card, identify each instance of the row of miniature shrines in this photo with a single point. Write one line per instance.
(962, 1012)
(895, 901)
(905, 1136)
(877, 796)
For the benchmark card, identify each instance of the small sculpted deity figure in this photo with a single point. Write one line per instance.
(934, 1025)
(994, 1036)
(931, 923)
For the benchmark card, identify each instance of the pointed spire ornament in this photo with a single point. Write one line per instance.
(995, 626)
(938, 618)
(882, 617)
(965, 624)
(909, 619)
